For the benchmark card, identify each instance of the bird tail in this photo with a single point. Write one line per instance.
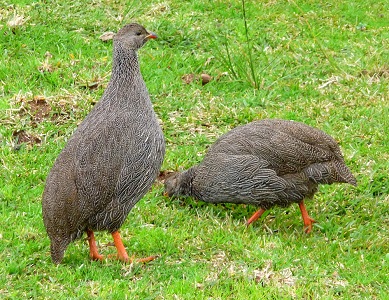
(57, 249)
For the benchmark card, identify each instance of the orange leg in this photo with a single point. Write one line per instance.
(122, 253)
(93, 252)
(255, 216)
(308, 221)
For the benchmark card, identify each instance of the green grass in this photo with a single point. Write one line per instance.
(322, 63)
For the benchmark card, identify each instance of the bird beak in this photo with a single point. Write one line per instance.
(151, 35)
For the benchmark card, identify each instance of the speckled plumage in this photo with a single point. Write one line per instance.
(113, 157)
(264, 163)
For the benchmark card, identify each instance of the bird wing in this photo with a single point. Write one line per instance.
(97, 161)
(285, 153)
(240, 179)
(140, 168)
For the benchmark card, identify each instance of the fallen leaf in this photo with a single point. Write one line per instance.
(188, 78)
(205, 78)
(107, 36)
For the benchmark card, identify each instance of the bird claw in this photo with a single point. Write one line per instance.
(96, 257)
(147, 259)
(132, 259)
(308, 224)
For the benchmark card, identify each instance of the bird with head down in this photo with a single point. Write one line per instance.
(264, 163)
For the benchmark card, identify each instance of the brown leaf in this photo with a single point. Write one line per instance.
(205, 78)
(107, 36)
(188, 78)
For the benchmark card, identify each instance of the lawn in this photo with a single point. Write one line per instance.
(322, 63)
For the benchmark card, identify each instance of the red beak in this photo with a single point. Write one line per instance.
(151, 35)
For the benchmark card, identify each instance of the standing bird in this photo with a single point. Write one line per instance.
(264, 163)
(111, 160)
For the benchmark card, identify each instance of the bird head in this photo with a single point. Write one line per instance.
(133, 36)
(172, 186)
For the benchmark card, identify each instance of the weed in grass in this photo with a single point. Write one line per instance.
(238, 58)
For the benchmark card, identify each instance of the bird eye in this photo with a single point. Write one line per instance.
(138, 33)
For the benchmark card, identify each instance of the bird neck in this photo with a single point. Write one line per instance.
(186, 182)
(127, 89)
(125, 64)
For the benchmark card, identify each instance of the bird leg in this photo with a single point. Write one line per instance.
(93, 252)
(308, 221)
(122, 253)
(255, 216)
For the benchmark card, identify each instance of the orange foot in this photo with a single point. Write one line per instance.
(308, 221)
(122, 253)
(147, 259)
(93, 252)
